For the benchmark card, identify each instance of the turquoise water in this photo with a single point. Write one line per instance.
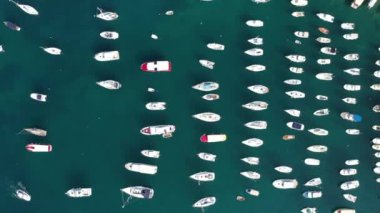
(94, 132)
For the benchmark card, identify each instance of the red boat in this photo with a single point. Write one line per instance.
(323, 30)
(156, 66)
(213, 138)
(38, 147)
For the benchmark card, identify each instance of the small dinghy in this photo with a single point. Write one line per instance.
(38, 97)
(26, 8)
(288, 137)
(109, 84)
(156, 106)
(52, 50)
(253, 142)
(105, 15)
(211, 97)
(207, 156)
(150, 153)
(169, 13)
(109, 35)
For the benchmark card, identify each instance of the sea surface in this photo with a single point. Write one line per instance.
(94, 131)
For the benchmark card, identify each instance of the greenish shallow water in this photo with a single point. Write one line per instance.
(94, 132)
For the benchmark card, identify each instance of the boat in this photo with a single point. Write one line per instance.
(295, 94)
(203, 176)
(2, 49)
(376, 108)
(348, 172)
(259, 89)
(378, 180)
(79, 192)
(371, 3)
(288, 137)
(12, 25)
(206, 63)
(301, 34)
(314, 182)
(165, 130)
(211, 97)
(352, 71)
(324, 61)
(207, 156)
(309, 210)
(377, 164)
(38, 97)
(296, 58)
(261, 1)
(255, 23)
(285, 183)
(347, 26)
(377, 62)
(253, 192)
(156, 106)
(293, 112)
(251, 175)
(109, 84)
(215, 46)
(141, 192)
(154, 36)
(329, 50)
(293, 82)
(109, 35)
(325, 76)
(156, 66)
(255, 52)
(35, 131)
(169, 13)
(150, 153)
(256, 124)
(141, 168)
(298, 14)
(253, 142)
(319, 131)
(206, 86)
(321, 112)
(299, 3)
(352, 162)
(376, 147)
(256, 41)
(353, 131)
(375, 87)
(107, 56)
(298, 70)
(284, 169)
(377, 154)
(351, 117)
(322, 97)
(349, 100)
(256, 68)
(251, 160)
(52, 50)
(256, 105)
(345, 210)
(352, 87)
(376, 74)
(376, 141)
(312, 194)
(323, 30)
(317, 148)
(207, 117)
(351, 36)
(350, 197)
(205, 202)
(348, 185)
(32, 147)
(296, 126)
(150, 89)
(26, 8)
(351, 57)
(106, 15)
(376, 127)
(376, 170)
(326, 17)
(356, 4)
(323, 40)
(213, 138)
(312, 162)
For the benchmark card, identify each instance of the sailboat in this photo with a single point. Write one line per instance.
(106, 15)
(26, 8)
(35, 131)
(141, 192)
(52, 50)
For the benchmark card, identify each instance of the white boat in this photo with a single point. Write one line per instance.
(109, 84)
(256, 41)
(325, 76)
(351, 36)
(106, 15)
(211, 97)
(26, 8)
(255, 23)
(141, 168)
(353, 131)
(169, 13)
(285, 183)
(261, 1)
(256, 68)
(352, 87)
(299, 3)
(352, 71)
(378, 180)
(213, 138)
(32, 147)
(207, 117)
(38, 97)
(324, 61)
(293, 112)
(329, 50)
(156, 66)
(150, 153)
(205, 202)
(351, 57)
(295, 125)
(349, 100)
(351, 117)
(255, 52)
(309, 210)
(352, 162)
(375, 87)
(256, 105)
(376, 141)
(319, 131)
(284, 169)
(207, 156)
(321, 112)
(376, 170)
(293, 82)
(298, 70)
(348, 172)
(35, 131)
(345, 210)
(376, 74)
(23, 195)
(323, 40)
(107, 56)
(203, 176)
(164, 130)
(251, 175)
(2, 49)
(377, 62)
(79, 192)
(256, 124)
(154, 36)
(312, 162)
(301, 34)
(296, 58)
(52, 50)
(259, 89)
(312, 194)
(295, 94)
(376, 127)
(317, 148)
(251, 160)
(253, 142)
(253, 192)
(314, 182)
(376, 147)
(215, 46)
(356, 4)
(206, 86)
(156, 106)
(298, 14)
(322, 97)
(377, 154)
(326, 17)
(348, 185)
(206, 63)
(141, 192)
(377, 164)
(109, 35)
(350, 197)
(371, 3)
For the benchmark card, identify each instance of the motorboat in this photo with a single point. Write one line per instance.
(211, 97)
(32, 147)
(165, 130)
(376, 108)
(79, 192)
(348, 185)
(317, 148)
(321, 112)
(107, 56)
(253, 192)
(376, 127)
(109, 84)
(326, 17)
(293, 112)
(256, 41)
(376, 141)
(150, 153)
(375, 87)
(297, 70)
(206, 86)
(371, 3)
(347, 26)
(377, 164)
(377, 62)
(350, 197)
(295, 94)
(348, 172)
(207, 156)
(141, 168)
(329, 50)
(22, 194)
(293, 82)
(150, 89)
(156, 66)
(207, 117)
(141, 192)
(298, 14)
(256, 124)
(285, 183)
(205, 202)
(295, 125)
(261, 1)
(376, 147)
(251, 160)
(312, 194)
(324, 76)
(352, 87)
(288, 137)
(349, 100)
(301, 34)
(353, 131)
(106, 15)
(35, 131)
(296, 58)
(352, 162)
(256, 68)
(256, 105)
(284, 169)
(312, 162)
(255, 52)
(319, 131)
(299, 3)
(351, 57)
(345, 210)
(255, 23)
(213, 138)
(377, 154)
(206, 63)
(2, 49)
(351, 36)
(324, 61)
(253, 142)
(203, 176)
(309, 210)
(323, 30)
(322, 97)
(323, 40)
(38, 97)
(351, 117)
(376, 170)
(109, 35)
(12, 25)
(52, 50)
(352, 71)
(376, 74)
(313, 182)
(26, 8)
(156, 106)
(215, 46)
(259, 89)
(154, 36)
(251, 175)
